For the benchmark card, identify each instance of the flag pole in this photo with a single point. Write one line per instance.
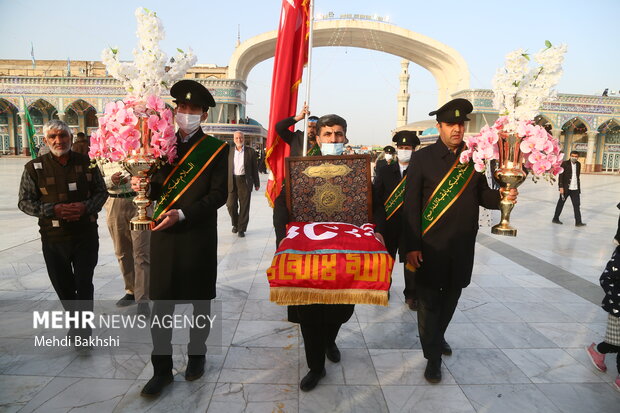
(308, 75)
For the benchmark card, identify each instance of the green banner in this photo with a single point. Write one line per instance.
(30, 131)
(395, 200)
(187, 171)
(448, 191)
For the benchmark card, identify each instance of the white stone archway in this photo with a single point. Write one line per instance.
(445, 64)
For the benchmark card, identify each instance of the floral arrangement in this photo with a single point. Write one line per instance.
(148, 74)
(541, 151)
(119, 134)
(519, 93)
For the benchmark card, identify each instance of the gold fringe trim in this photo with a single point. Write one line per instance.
(303, 296)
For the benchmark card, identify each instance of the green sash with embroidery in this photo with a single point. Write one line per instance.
(314, 150)
(447, 192)
(187, 170)
(395, 200)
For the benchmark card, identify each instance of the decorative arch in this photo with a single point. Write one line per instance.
(445, 64)
(574, 120)
(544, 120)
(607, 124)
(42, 105)
(6, 106)
(80, 106)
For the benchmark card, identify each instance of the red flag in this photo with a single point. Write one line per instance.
(290, 57)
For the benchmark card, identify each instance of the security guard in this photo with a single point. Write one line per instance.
(388, 190)
(184, 241)
(442, 200)
(388, 157)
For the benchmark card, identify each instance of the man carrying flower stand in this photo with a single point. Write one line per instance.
(442, 200)
(184, 240)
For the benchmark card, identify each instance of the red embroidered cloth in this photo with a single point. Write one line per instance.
(330, 263)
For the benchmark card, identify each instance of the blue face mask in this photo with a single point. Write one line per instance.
(332, 148)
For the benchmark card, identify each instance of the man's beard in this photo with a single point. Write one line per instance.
(59, 152)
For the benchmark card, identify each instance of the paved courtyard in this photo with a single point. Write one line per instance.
(518, 333)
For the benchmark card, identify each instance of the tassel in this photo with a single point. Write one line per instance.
(304, 296)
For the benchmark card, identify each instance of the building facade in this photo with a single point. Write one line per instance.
(587, 124)
(77, 92)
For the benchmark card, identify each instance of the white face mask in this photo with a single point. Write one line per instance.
(404, 155)
(188, 123)
(388, 157)
(332, 148)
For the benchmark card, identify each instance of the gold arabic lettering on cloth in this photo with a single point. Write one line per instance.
(446, 191)
(179, 180)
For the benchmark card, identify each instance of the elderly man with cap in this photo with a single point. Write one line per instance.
(388, 189)
(442, 200)
(296, 139)
(184, 240)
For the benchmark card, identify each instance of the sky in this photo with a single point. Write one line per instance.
(360, 85)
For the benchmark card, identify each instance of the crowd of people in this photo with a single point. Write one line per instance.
(431, 225)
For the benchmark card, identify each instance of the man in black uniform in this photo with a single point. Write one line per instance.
(296, 139)
(388, 158)
(184, 241)
(442, 220)
(388, 194)
(319, 323)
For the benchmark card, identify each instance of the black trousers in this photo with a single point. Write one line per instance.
(70, 267)
(409, 291)
(161, 334)
(604, 348)
(317, 337)
(574, 197)
(238, 203)
(435, 310)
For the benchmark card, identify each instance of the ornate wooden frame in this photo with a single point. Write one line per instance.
(329, 189)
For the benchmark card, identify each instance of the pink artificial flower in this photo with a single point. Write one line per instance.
(155, 103)
(479, 166)
(527, 146)
(465, 156)
(541, 167)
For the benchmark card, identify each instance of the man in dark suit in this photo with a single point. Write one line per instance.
(387, 190)
(242, 175)
(569, 183)
(442, 200)
(184, 241)
(296, 139)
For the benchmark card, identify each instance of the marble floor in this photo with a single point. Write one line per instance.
(518, 333)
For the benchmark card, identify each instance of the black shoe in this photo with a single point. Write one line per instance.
(157, 383)
(446, 350)
(581, 224)
(432, 374)
(234, 230)
(241, 234)
(556, 221)
(412, 303)
(310, 381)
(127, 300)
(332, 353)
(144, 309)
(195, 367)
